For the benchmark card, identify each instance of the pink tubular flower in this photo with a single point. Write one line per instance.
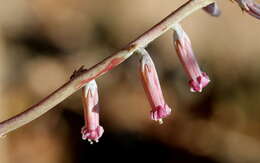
(198, 79)
(212, 9)
(152, 88)
(92, 130)
(251, 7)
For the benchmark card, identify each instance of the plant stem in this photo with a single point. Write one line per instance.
(101, 68)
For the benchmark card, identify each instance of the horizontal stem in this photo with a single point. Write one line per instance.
(101, 68)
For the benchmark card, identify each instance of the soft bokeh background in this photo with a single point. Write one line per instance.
(43, 41)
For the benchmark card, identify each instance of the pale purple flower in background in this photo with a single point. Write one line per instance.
(212, 9)
(92, 130)
(251, 7)
(152, 88)
(198, 79)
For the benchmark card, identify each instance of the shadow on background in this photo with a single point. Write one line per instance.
(123, 146)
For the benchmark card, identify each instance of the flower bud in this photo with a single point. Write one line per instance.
(152, 88)
(251, 7)
(198, 79)
(92, 130)
(212, 9)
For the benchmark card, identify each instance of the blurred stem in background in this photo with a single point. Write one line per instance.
(3, 73)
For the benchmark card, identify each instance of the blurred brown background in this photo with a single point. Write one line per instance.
(43, 41)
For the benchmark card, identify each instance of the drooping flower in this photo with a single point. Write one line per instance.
(152, 88)
(212, 9)
(92, 130)
(251, 7)
(198, 79)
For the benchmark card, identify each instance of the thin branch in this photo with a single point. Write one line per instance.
(101, 68)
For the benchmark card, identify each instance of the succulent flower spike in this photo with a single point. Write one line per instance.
(152, 88)
(198, 79)
(212, 9)
(92, 130)
(251, 7)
